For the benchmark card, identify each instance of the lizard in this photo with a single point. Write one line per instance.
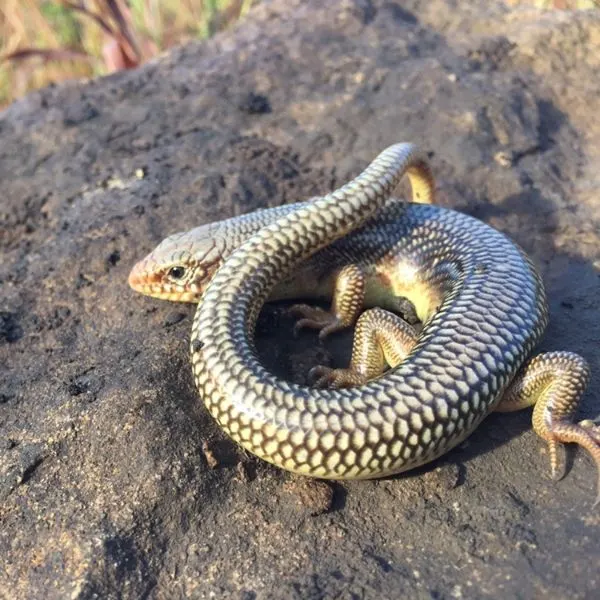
(405, 398)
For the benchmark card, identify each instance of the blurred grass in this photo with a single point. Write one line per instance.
(558, 4)
(76, 45)
(55, 40)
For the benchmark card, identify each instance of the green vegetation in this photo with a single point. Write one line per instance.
(45, 41)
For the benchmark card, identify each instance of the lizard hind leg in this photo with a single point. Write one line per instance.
(553, 384)
(381, 338)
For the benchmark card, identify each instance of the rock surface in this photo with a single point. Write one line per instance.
(114, 481)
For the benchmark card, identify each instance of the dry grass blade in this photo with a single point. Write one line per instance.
(103, 24)
(123, 24)
(87, 38)
(122, 35)
(46, 54)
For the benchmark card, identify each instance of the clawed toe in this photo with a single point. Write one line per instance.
(592, 428)
(326, 377)
(320, 376)
(553, 449)
(314, 317)
(334, 325)
(306, 323)
(586, 434)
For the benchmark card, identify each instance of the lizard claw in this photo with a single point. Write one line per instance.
(315, 317)
(320, 376)
(586, 434)
(326, 377)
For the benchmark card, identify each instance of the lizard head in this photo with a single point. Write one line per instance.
(180, 267)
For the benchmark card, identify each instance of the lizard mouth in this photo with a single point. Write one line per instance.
(151, 284)
(139, 280)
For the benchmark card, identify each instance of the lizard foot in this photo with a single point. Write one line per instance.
(314, 317)
(326, 377)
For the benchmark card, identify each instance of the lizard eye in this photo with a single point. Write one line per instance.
(176, 272)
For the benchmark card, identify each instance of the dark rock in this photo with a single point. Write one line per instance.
(314, 496)
(255, 104)
(10, 329)
(174, 317)
(79, 112)
(113, 498)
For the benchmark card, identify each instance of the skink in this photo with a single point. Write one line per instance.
(405, 399)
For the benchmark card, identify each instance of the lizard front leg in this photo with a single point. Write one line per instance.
(348, 299)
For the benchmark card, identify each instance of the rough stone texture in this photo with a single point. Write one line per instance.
(114, 482)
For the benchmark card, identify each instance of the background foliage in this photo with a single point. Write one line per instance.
(46, 41)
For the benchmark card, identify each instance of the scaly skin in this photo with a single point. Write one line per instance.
(482, 303)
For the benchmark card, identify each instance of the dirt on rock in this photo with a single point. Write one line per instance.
(114, 480)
